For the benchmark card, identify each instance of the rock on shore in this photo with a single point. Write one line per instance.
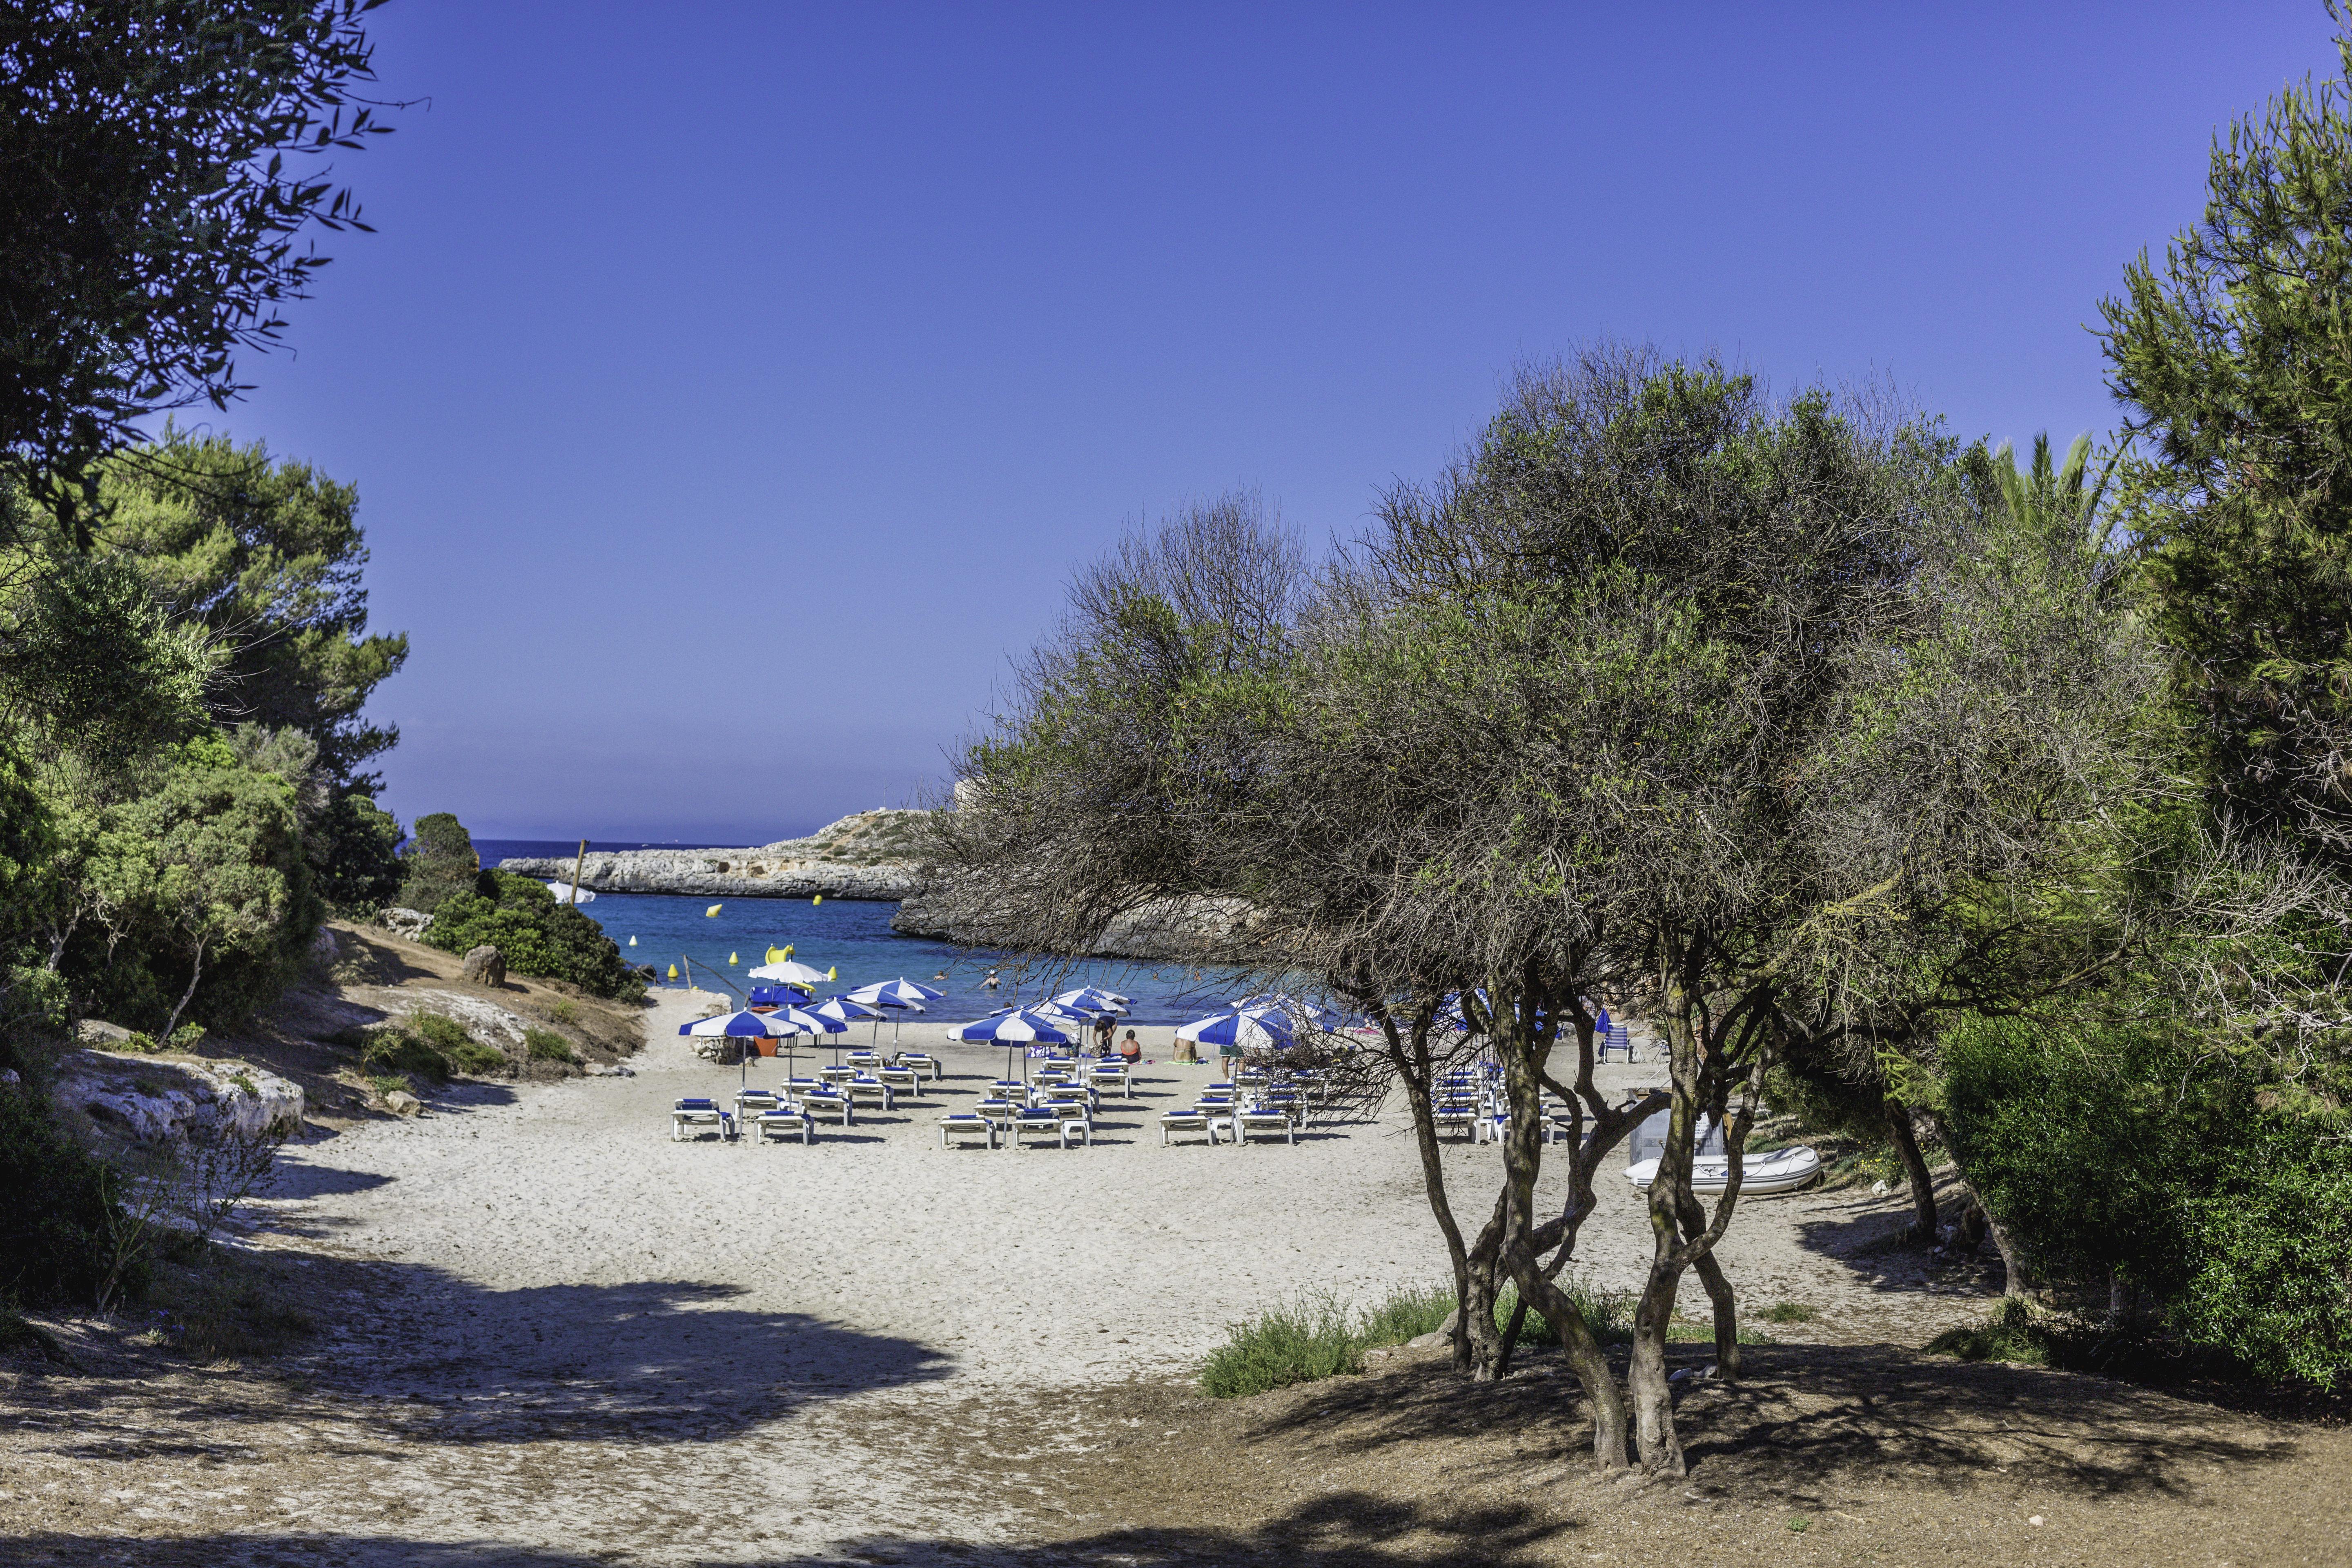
(872, 855)
(1187, 929)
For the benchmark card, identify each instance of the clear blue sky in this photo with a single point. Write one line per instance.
(732, 387)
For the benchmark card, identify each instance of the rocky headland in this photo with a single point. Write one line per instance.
(884, 855)
(872, 855)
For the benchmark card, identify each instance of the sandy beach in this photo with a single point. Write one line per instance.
(552, 1335)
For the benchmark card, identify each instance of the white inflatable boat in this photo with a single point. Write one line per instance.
(1761, 1175)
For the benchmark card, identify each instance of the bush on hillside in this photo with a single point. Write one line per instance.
(538, 936)
(56, 1225)
(2133, 1151)
(437, 863)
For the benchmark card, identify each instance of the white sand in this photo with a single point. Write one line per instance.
(565, 1263)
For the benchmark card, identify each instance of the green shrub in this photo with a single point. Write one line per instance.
(1789, 1312)
(56, 1224)
(2010, 1334)
(536, 934)
(1313, 1338)
(187, 1037)
(459, 1049)
(2140, 1152)
(547, 1046)
(437, 863)
(563, 1010)
(1408, 1314)
(394, 1050)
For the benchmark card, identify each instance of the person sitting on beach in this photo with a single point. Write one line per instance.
(1186, 1051)
(1129, 1051)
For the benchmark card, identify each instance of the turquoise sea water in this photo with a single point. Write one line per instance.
(854, 937)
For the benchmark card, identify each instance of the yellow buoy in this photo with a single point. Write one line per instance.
(712, 912)
(673, 971)
(775, 953)
(833, 974)
(731, 958)
(788, 950)
(818, 899)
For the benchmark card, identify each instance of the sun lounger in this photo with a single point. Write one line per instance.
(1174, 1122)
(829, 1107)
(750, 1102)
(1068, 1095)
(836, 1074)
(700, 1113)
(966, 1124)
(868, 1091)
(1457, 1115)
(1617, 1038)
(1265, 1123)
(782, 1123)
(902, 1080)
(921, 1062)
(1103, 1078)
(864, 1060)
(1038, 1124)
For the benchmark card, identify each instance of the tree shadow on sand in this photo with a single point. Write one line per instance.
(1337, 1529)
(410, 1356)
(1806, 1421)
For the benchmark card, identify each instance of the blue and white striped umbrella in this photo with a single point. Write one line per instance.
(1020, 1026)
(1255, 1027)
(848, 1012)
(746, 1024)
(899, 993)
(1092, 999)
(1297, 1009)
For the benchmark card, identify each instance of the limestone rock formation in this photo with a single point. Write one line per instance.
(485, 966)
(1165, 930)
(872, 855)
(154, 1100)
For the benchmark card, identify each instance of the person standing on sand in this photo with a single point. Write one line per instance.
(1103, 1027)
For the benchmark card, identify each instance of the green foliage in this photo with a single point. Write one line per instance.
(200, 892)
(2012, 1334)
(1789, 1312)
(392, 1050)
(55, 1226)
(537, 935)
(1407, 1314)
(267, 556)
(438, 861)
(88, 651)
(2231, 352)
(1308, 1340)
(159, 163)
(354, 852)
(460, 1050)
(2138, 1150)
(547, 1046)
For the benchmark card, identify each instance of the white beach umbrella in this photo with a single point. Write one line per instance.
(565, 893)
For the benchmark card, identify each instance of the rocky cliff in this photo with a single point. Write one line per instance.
(1192, 929)
(873, 855)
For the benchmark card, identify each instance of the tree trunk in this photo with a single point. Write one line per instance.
(195, 973)
(1728, 1362)
(1477, 1343)
(1914, 1169)
(1648, 1394)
